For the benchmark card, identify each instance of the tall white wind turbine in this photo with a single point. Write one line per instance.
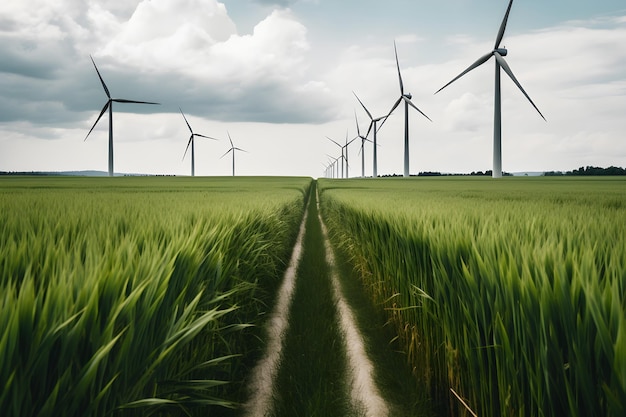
(406, 97)
(191, 142)
(372, 126)
(232, 149)
(499, 54)
(109, 106)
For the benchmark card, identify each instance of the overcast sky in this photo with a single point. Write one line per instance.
(279, 75)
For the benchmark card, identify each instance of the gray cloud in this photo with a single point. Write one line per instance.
(48, 78)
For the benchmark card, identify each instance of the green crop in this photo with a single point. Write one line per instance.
(126, 293)
(509, 292)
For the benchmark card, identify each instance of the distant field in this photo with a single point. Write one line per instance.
(509, 292)
(136, 292)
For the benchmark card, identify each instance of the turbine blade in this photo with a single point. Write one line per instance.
(226, 153)
(395, 106)
(333, 141)
(384, 119)
(415, 107)
(358, 129)
(507, 69)
(106, 90)
(104, 109)
(352, 140)
(188, 125)
(187, 148)
(369, 128)
(363, 105)
(123, 100)
(503, 26)
(231, 141)
(398, 65)
(202, 136)
(476, 64)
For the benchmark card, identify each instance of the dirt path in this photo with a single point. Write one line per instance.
(316, 361)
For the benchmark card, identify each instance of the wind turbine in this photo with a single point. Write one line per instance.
(373, 122)
(109, 106)
(363, 140)
(232, 149)
(191, 142)
(406, 97)
(333, 162)
(499, 54)
(344, 152)
(341, 157)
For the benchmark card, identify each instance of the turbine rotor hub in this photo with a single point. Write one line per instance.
(501, 51)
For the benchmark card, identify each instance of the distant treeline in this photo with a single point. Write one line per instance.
(77, 174)
(445, 174)
(582, 171)
(473, 173)
(589, 171)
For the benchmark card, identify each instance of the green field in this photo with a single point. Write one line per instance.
(136, 292)
(148, 296)
(509, 292)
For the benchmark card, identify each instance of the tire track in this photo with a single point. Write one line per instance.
(365, 397)
(264, 374)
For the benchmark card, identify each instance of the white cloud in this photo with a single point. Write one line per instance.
(466, 113)
(170, 33)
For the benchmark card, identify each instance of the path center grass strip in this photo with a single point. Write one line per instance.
(312, 375)
(324, 365)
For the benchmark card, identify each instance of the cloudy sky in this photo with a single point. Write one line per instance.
(278, 75)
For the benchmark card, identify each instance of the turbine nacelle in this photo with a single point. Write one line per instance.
(501, 51)
(408, 95)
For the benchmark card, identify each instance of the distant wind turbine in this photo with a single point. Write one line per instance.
(406, 97)
(344, 152)
(191, 142)
(363, 140)
(109, 106)
(372, 126)
(334, 171)
(232, 149)
(499, 54)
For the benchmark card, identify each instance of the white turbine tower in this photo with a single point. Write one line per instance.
(109, 106)
(232, 149)
(372, 126)
(191, 142)
(499, 54)
(406, 97)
